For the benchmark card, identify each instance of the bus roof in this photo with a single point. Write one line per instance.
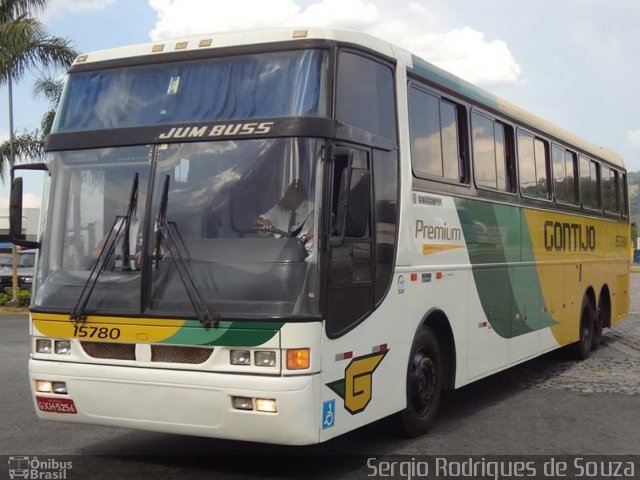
(404, 58)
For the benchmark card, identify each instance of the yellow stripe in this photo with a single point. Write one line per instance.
(430, 248)
(106, 329)
(164, 322)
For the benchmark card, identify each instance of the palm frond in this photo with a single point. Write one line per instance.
(26, 45)
(47, 122)
(11, 9)
(49, 87)
(27, 146)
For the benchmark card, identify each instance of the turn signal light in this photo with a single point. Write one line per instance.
(298, 359)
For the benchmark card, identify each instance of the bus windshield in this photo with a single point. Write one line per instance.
(242, 212)
(266, 85)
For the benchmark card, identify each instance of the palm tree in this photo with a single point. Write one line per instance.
(24, 45)
(29, 145)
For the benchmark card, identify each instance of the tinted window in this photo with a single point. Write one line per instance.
(434, 130)
(571, 164)
(534, 166)
(590, 183)
(365, 95)
(623, 192)
(385, 176)
(449, 129)
(540, 149)
(564, 166)
(610, 189)
(490, 153)
(265, 85)
(426, 148)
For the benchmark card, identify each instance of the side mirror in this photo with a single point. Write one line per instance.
(15, 206)
(15, 211)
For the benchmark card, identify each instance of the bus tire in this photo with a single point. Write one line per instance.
(424, 385)
(582, 348)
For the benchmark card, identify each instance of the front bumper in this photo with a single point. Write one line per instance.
(184, 402)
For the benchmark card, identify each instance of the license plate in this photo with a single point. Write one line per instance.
(56, 405)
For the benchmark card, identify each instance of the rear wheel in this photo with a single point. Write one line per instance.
(603, 318)
(582, 348)
(424, 385)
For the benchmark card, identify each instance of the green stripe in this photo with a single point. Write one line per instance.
(231, 334)
(497, 238)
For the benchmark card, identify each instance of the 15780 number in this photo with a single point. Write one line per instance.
(87, 331)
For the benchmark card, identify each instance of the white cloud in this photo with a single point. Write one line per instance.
(462, 51)
(188, 17)
(466, 53)
(62, 6)
(354, 14)
(633, 136)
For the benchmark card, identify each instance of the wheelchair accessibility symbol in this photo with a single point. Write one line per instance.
(328, 414)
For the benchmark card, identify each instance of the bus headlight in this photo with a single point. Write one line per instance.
(43, 345)
(266, 405)
(59, 387)
(265, 359)
(44, 386)
(242, 403)
(62, 347)
(240, 357)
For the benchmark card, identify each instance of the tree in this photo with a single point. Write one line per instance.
(29, 145)
(24, 45)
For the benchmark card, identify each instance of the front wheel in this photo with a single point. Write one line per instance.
(424, 385)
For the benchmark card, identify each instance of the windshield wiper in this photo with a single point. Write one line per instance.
(168, 231)
(120, 225)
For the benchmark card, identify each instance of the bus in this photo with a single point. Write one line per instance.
(281, 236)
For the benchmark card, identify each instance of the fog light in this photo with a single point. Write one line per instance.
(62, 347)
(43, 345)
(59, 387)
(267, 405)
(240, 357)
(44, 386)
(265, 359)
(242, 403)
(298, 359)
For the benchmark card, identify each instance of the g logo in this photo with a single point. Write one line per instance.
(356, 389)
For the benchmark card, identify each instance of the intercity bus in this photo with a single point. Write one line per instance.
(281, 236)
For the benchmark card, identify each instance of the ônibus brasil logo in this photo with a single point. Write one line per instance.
(33, 468)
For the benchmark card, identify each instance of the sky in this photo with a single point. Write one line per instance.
(572, 62)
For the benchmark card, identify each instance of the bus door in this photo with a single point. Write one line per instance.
(350, 242)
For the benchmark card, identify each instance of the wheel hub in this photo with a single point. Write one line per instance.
(425, 378)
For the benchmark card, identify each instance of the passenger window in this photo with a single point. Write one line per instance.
(435, 136)
(610, 190)
(590, 183)
(490, 154)
(564, 174)
(623, 191)
(534, 166)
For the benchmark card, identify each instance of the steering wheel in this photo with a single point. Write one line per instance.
(271, 231)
